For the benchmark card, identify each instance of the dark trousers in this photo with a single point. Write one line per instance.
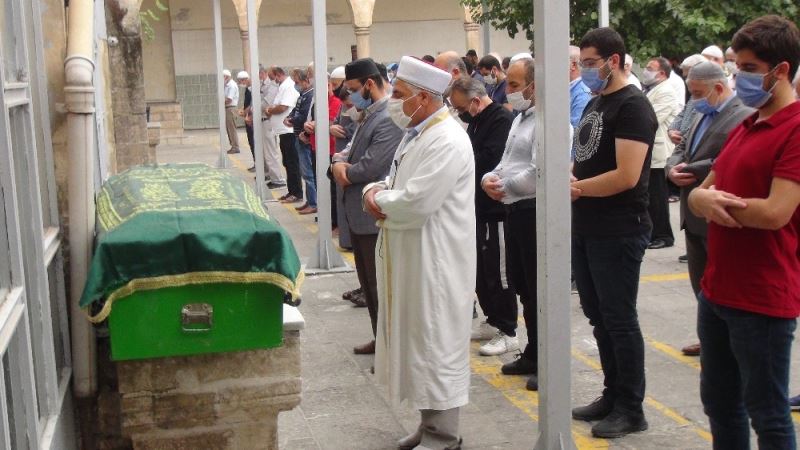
(496, 296)
(659, 207)
(607, 274)
(364, 254)
(250, 139)
(522, 261)
(745, 362)
(291, 163)
(696, 251)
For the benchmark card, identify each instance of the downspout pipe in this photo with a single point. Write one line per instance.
(79, 97)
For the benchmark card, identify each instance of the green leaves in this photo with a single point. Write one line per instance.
(148, 15)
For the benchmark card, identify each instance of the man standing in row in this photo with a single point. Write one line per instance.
(285, 100)
(269, 91)
(297, 119)
(231, 93)
(426, 274)
(366, 160)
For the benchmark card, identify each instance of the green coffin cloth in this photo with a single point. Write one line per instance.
(174, 225)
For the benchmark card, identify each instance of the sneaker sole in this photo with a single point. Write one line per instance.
(488, 353)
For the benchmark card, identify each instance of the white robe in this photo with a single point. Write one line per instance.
(426, 264)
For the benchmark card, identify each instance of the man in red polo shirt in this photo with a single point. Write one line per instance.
(750, 295)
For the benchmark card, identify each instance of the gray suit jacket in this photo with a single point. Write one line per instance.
(707, 150)
(371, 154)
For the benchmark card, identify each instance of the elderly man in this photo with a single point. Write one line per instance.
(488, 127)
(231, 93)
(367, 159)
(680, 126)
(714, 54)
(579, 94)
(719, 111)
(284, 101)
(450, 62)
(426, 208)
(247, 112)
(269, 140)
(662, 97)
(513, 182)
(630, 77)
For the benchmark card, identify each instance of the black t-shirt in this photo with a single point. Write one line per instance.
(624, 114)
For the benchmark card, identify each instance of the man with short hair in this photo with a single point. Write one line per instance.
(297, 119)
(630, 76)
(662, 97)
(366, 160)
(269, 147)
(719, 112)
(488, 124)
(494, 79)
(750, 299)
(513, 182)
(247, 112)
(611, 228)
(285, 100)
(426, 208)
(579, 94)
(231, 100)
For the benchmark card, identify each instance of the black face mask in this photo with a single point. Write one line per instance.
(466, 117)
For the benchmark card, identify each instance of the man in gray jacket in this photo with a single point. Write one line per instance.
(718, 112)
(367, 159)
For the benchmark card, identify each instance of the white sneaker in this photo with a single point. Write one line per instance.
(483, 332)
(500, 343)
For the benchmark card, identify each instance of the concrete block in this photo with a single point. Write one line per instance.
(209, 440)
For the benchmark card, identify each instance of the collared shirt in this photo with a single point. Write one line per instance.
(579, 96)
(705, 122)
(287, 96)
(269, 91)
(343, 155)
(232, 92)
(517, 168)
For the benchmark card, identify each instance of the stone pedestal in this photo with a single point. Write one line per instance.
(214, 402)
(170, 116)
(153, 138)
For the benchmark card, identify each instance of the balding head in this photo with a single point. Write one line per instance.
(574, 57)
(451, 61)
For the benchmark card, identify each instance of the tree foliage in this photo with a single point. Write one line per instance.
(671, 28)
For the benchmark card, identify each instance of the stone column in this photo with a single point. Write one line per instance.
(241, 12)
(472, 31)
(362, 21)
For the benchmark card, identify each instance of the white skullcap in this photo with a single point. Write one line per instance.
(628, 59)
(713, 51)
(520, 56)
(693, 60)
(338, 73)
(242, 76)
(423, 75)
(226, 73)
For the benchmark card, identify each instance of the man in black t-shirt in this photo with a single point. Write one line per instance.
(611, 227)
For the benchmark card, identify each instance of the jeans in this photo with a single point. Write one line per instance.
(745, 362)
(606, 272)
(307, 171)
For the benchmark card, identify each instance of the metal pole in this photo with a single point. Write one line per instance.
(603, 13)
(486, 28)
(551, 40)
(326, 257)
(255, 95)
(222, 162)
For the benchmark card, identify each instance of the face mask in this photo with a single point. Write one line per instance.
(359, 100)
(750, 88)
(465, 117)
(731, 67)
(518, 101)
(395, 108)
(591, 78)
(353, 114)
(649, 77)
(490, 79)
(298, 88)
(703, 106)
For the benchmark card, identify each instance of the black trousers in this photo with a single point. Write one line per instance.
(291, 162)
(492, 285)
(364, 254)
(659, 207)
(522, 261)
(250, 139)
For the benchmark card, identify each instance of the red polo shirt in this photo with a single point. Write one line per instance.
(751, 269)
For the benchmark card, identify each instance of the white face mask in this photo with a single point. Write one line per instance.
(649, 77)
(490, 79)
(518, 101)
(395, 108)
(353, 114)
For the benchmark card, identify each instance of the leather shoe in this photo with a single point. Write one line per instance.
(303, 206)
(350, 294)
(657, 244)
(520, 366)
(597, 410)
(618, 424)
(233, 151)
(683, 259)
(306, 211)
(366, 349)
(691, 350)
(533, 383)
(289, 198)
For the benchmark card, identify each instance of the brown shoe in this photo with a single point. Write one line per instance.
(289, 198)
(233, 151)
(303, 206)
(366, 349)
(691, 350)
(309, 210)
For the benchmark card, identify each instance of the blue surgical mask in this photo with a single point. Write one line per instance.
(750, 89)
(359, 101)
(591, 78)
(703, 106)
(298, 88)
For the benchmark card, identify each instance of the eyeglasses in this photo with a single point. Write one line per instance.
(588, 63)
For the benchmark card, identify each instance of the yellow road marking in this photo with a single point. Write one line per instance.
(668, 412)
(513, 389)
(674, 353)
(664, 277)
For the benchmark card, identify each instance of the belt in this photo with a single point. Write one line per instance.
(522, 205)
(230, 106)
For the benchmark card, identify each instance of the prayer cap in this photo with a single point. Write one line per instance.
(422, 75)
(706, 71)
(713, 51)
(520, 56)
(693, 60)
(242, 76)
(226, 73)
(338, 73)
(360, 68)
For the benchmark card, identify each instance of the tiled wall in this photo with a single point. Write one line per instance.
(198, 97)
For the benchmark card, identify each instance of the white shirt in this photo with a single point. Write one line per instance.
(679, 86)
(232, 92)
(634, 81)
(269, 91)
(287, 96)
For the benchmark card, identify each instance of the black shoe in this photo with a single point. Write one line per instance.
(276, 184)
(683, 258)
(533, 383)
(618, 424)
(520, 366)
(251, 169)
(597, 410)
(657, 244)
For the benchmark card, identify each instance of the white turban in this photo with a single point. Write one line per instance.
(422, 75)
